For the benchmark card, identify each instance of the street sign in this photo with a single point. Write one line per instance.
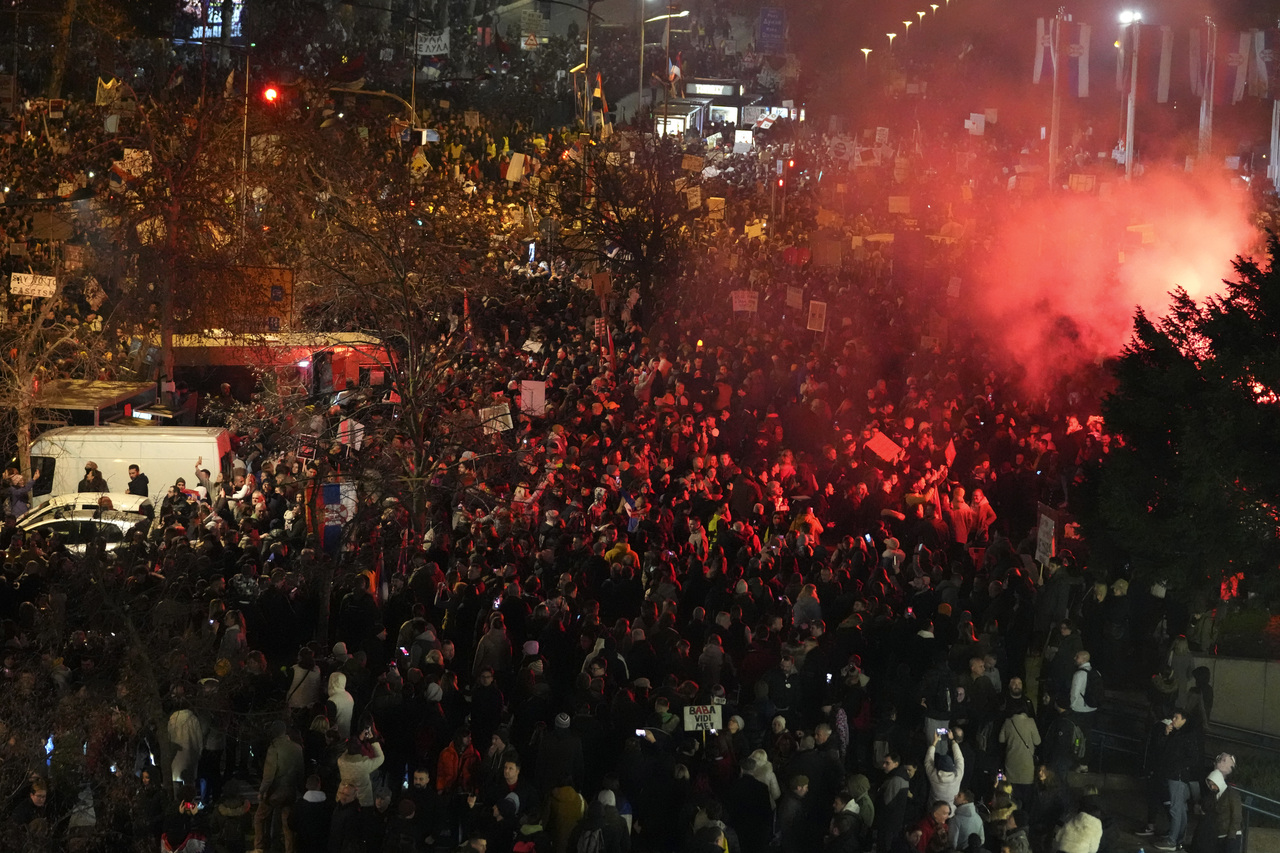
(530, 42)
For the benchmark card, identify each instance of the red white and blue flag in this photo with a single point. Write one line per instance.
(337, 507)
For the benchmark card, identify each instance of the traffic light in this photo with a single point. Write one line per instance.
(270, 94)
(791, 164)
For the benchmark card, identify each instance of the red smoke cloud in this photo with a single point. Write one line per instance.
(1065, 272)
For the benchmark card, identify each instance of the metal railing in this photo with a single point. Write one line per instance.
(1254, 804)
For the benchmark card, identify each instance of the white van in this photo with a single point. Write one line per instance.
(163, 453)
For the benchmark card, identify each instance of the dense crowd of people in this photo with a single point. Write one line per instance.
(828, 540)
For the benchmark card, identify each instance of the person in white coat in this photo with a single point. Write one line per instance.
(944, 770)
(355, 766)
(186, 738)
(343, 704)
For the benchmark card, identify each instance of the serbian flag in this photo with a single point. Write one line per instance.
(1264, 65)
(599, 93)
(337, 507)
(1078, 67)
(1237, 51)
(1043, 64)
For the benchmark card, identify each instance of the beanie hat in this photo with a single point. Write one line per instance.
(562, 720)
(1216, 777)
(944, 764)
(531, 648)
(509, 806)
(434, 692)
(607, 798)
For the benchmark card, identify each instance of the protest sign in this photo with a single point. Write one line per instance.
(433, 44)
(26, 284)
(702, 718)
(533, 397)
(817, 316)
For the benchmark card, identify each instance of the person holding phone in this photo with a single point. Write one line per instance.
(363, 756)
(944, 768)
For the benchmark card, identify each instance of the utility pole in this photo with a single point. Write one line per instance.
(1204, 144)
(1055, 110)
(1134, 31)
(413, 67)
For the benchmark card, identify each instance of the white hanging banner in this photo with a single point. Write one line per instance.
(433, 44)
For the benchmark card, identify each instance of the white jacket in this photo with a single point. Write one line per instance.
(342, 702)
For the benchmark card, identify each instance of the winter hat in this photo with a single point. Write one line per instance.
(340, 652)
(944, 764)
(509, 806)
(530, 648)
(562, 720)
(606, 798)
(1216, 777)
(434, 692)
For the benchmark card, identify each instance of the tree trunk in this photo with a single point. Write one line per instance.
(61, 49)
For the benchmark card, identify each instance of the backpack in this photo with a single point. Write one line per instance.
(1079, 743)
(1093, 688)
(591, 841)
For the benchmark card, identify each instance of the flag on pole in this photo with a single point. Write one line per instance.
(1238, 65)
(1196, 65)
(1044, 49)
(1079, 65)
(1264, 65)
(1165, 72)
(599, 93)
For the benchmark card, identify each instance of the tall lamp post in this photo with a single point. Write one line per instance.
(891, 36)
(866, 58)
(1133, 21)
(906, 32)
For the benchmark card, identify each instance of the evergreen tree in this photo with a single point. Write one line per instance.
(1190, 494)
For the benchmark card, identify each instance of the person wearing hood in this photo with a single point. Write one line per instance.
(750, 807)
(859, 788)
(965, 821)
(944, 771)
(562, 812)
(341, 703)
(1219, 831)
(1082, 833)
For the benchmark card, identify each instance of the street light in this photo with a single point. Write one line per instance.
(666, 98)
(866, 58)
(1132, 20)
(640, 91)
(921, 14)
(891, 36)
(934, 7)
(907, 31)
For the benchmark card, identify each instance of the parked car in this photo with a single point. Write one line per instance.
(80, 518)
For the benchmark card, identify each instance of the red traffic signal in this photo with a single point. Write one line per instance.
(271, 94)
(791, 164)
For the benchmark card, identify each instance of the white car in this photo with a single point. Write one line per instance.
(80, 518)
